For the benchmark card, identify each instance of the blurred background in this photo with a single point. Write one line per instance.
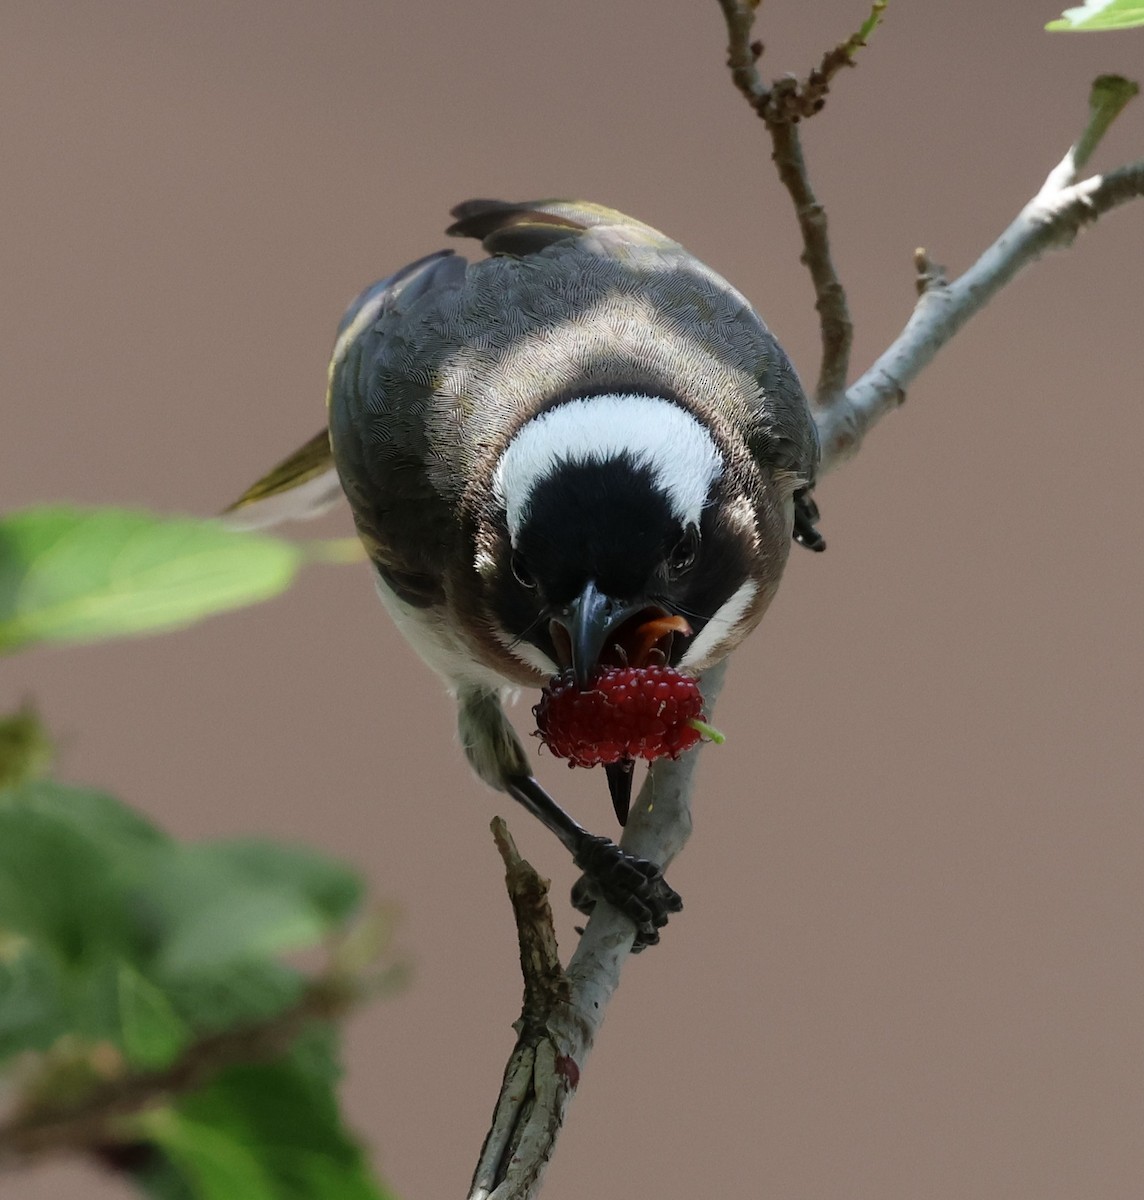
(910, 963)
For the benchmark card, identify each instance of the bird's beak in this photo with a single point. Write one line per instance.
(585, 625)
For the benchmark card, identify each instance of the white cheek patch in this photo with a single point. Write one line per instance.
(720, 627)
(654, 433)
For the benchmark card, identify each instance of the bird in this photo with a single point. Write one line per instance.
(547, 448)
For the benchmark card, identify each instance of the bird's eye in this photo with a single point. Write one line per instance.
(520, 570)
(684, 552)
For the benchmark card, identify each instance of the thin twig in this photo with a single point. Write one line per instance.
(1051, 220)
(1106, 101)
(781, 107)
(541, 1077)
(539, 1083)
(529, 1091)
(743, 54)
(837, 329)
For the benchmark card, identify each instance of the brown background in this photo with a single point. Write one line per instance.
(911, 961)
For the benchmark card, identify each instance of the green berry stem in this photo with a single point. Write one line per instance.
(708, 731)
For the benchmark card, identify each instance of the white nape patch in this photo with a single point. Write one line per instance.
(720, 627)
(653, 432)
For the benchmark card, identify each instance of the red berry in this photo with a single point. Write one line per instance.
(625, 712)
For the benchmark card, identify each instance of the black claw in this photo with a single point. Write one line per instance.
(633, 885)
(620, 785)
(583, 897)
(805, 520)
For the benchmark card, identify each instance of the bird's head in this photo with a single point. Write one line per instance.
(617, 511)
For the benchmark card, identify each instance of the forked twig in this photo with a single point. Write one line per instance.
(1050, 220)
(781, 106)
(563, 1010)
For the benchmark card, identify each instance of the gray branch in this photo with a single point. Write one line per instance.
(1050, 221)
(554, 1044)
(564, 1010)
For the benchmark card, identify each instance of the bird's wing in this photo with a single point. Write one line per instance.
(528, 226)
(381, 399)
(783, 436)
(305, 484)
(301, 486)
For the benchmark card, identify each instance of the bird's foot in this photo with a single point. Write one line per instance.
(635, 886)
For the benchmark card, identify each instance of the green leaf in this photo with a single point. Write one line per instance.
(32, 1013)
(329, 887)
(1100, 14)
(263, 1132)
(70, 861)
(219, 997)
(25, 748)
(151, 1033)
(58, 886)
(106, 822)
(81, 575)
(235, 901)
(156, 1176)
(214, 1163)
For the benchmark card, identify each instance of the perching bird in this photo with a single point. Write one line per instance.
(547, 448)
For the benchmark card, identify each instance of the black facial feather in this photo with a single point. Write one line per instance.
(721, 568)
(607, 522)
(604, 521)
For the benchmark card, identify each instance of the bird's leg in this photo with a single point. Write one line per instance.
(634, 885)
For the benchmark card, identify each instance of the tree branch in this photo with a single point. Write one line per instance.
(781, 107)
(563, 1010)
(1051, 220)
(837, 329)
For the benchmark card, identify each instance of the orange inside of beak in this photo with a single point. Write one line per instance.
(648, 636)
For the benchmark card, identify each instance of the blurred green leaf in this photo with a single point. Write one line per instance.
(1100, 14)
(153, 937)
(328, 886)
(263, 1132)
(70, 860)
(76, 575)
(230, 901)
(25, 748)
(151, 1033)
(108, 823)
(154, 1175)
(32, 1010)
(234, 993)
(58, 886)
(119, 947)
(214, 1163)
